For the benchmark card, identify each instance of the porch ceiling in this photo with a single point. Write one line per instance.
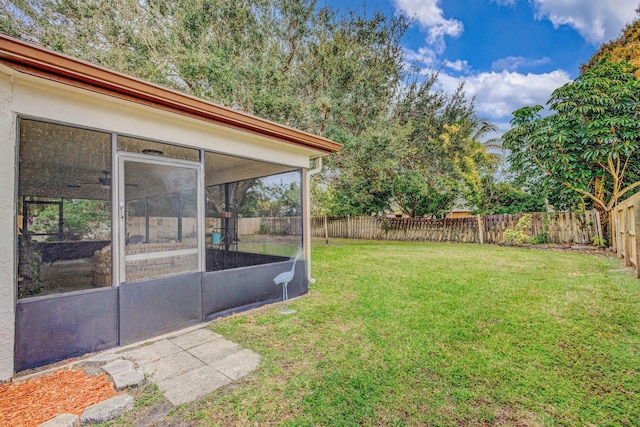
(61, 161)
(221, 169)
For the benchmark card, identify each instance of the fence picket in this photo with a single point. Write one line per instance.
(561, 227)
(625, 226)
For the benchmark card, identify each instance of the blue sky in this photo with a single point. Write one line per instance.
(510, 53)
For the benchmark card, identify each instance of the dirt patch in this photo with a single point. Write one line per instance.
(67, 391)
(571, 247)
(155, 415)
(507, 416)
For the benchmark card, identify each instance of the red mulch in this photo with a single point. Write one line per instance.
(68, 391)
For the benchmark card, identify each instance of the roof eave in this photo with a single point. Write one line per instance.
(38, 61)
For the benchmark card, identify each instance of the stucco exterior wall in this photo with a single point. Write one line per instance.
(53, 101)
(7, 227)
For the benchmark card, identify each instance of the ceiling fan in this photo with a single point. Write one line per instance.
(103, 181)
(106, 180)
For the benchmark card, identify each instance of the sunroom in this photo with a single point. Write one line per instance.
(129, 210)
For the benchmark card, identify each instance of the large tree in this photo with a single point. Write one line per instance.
(590, 142)
(340, 75)
(284, 60)
(424, 156)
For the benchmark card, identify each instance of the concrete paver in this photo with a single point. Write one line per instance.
(106, 410)
(62, 420)
(117, 367)
(185, 366)
(100, 359)
(126, 379)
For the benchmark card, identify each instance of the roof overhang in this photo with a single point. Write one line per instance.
(35, 60)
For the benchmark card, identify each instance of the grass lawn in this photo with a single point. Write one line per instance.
(441, 335)
(269, 244)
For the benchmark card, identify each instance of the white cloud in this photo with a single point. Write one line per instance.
(504, 89)
(597, 21)
(423, 55)
(512, 63)
(430, 18)
(459, 65)
(499, 94)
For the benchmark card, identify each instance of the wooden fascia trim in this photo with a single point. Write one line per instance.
(37, 61)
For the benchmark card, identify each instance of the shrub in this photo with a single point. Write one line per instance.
(541, 239)
(265, 228)
(518, 234)
(597, 241)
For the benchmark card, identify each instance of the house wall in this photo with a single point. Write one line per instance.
(53, 101)
(457, 214)
(26, 95)
(7, 227)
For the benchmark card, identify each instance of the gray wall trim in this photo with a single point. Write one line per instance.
(240, 289)
(56, 327)
(158, 306)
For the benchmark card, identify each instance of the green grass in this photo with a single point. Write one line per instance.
(443, 335)
(268, 244)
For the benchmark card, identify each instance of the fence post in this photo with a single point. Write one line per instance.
(628, 254)
(614, 229)
(618, 220)
(636, 223)
(480, 229)
(599, 226)
(326, 230)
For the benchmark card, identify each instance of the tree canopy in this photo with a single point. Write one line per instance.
(625, 48)
(503, 197)
(407, 144)
(589, 144)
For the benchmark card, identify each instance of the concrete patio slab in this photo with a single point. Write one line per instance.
(190, 365)
(212, 351)
(194, 338)
(171, 366)
(237, 365)
(192, 385)
(149, 352)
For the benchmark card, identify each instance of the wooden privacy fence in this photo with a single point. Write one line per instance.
(625, 223)
(279, 225)
(162, 228)
(559, 227)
